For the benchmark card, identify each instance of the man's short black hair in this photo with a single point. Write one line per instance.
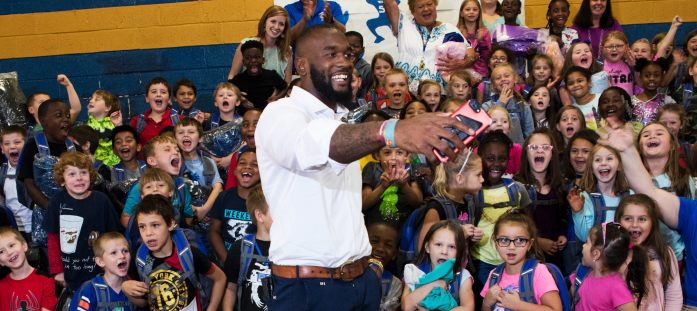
(355, 34)
(306, 35)
(125, 128)
(45, 106)
(251, 44)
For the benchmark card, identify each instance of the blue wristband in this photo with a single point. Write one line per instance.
(389, 133)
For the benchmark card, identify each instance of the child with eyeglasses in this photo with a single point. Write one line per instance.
(546, 189)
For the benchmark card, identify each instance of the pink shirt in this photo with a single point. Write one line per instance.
(620, 75)
(657, 299)
(542, 282)
(605, 293)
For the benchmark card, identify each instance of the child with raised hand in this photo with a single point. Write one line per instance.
(581, 54)
(472, 27)
(499, 55)
(646, 104)
(640, 215)
(247, 261)
(229, 217)
(618, 61)
(429, 91)
(557, 15)
(501, 121)
(23, 281)
(542, 74)
(460, 85)
(546, 188)
(158, 94)
(578, 80)
(568, 121)
(675, 118)
(615, 103)
(497, 195)
(155, 218)
(603, 185)
(35, 100)
(663, 45)
(396, 84)
(541, 106)
(390, 191)
(576, 155)
(516, 239)
(104, 110)
(185, 96)
(384, 240)
(444, 243)
(659, 152)
(453, 181)
(249, 126)
(74, 219)
(111, 253)
(503, 79)
(607, 249)
(642, 49)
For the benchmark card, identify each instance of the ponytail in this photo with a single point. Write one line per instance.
(636, 272)
(445, 172)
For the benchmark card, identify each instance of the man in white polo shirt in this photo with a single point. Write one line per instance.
(312, 181)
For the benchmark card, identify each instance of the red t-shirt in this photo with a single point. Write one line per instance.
(231, 178)
(32, 293)
(152, 128)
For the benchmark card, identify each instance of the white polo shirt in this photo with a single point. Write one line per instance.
(314, 201)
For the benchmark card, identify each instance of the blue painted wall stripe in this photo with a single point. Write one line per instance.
(126, 73)
(38, 6)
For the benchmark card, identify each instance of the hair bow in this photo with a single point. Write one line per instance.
(579, 40)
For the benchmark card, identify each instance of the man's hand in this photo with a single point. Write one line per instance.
(431, 128)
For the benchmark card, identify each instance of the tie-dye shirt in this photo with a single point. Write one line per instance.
(589, 113)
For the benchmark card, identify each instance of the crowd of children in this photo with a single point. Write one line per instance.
(106, 213)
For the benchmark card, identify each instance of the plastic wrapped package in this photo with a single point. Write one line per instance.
(222, 141)
(355, 115)
(455, 49)
(12, 101)
(122, 188)
(43, 173)
(519, 39)
(552, 50)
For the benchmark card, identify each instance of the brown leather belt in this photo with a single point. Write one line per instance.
(346, 272)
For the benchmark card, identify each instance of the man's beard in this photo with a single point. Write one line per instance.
(323, 84)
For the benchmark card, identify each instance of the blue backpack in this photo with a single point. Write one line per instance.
(479, 204)
(412, 229)
(118, 173)
(580, 274)
(687, 95)
(132, 232)
(104, 301)
(140, 124)
(10, 215)
(599, 207)
(183, 240)
(525, 284)
(486, 90)
(686, 148)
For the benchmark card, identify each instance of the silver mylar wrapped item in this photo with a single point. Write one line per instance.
(12, 101)
(222, 141)
(355, 115)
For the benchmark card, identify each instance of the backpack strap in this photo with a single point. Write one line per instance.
(118, 173)
(526, 90)
(687, 95)
(140, 124)
(579, 275)
(103, 294)
(599, 208)
(486, 90)
(386, 282)
(686, 148)
(181, 193)
(186, 258)
(513, 196)
(193, 112)
(209, 169)
(97, 164)
(215, 120)
(173, 117)
(600, 61)
(496, 275)
(144, 264)
(249, 243)
(527, 274)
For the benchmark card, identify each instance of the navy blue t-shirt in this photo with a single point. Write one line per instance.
(231, 210)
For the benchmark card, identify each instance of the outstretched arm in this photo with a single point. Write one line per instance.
(392, 12)
(73, 99)
(639, 179)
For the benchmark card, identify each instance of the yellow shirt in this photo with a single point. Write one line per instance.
(485, 250)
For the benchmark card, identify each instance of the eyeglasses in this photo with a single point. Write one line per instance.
(544, 147)
(614, 47)
(500, 59)
(518, 242)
